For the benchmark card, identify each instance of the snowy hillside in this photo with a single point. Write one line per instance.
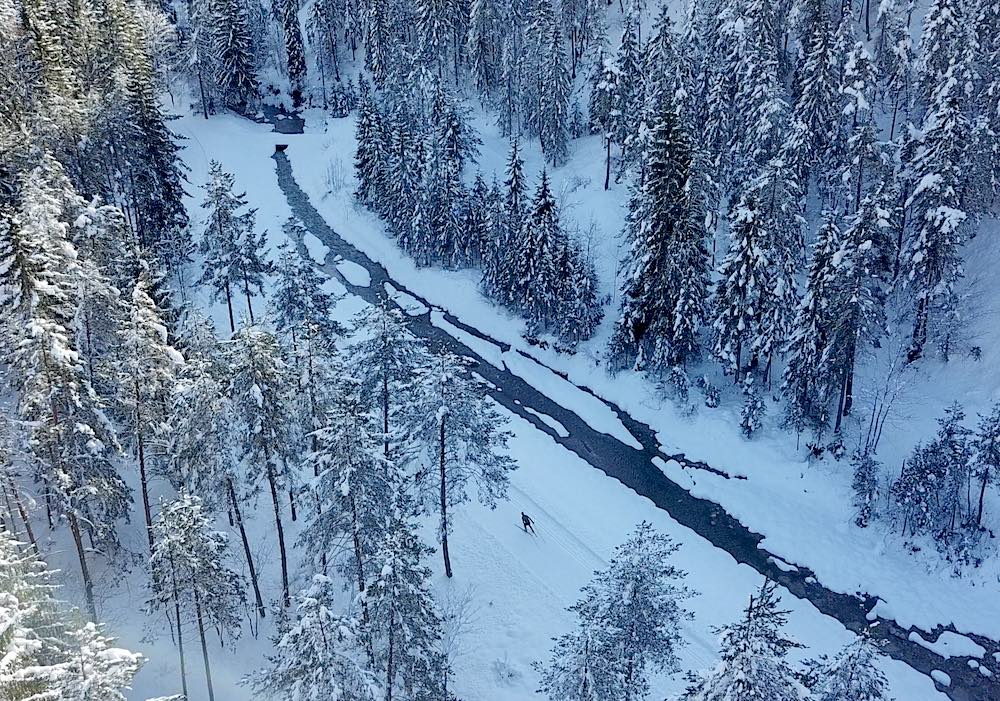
(494, 351)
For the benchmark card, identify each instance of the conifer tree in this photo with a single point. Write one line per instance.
(932, 264)
(740, 295)
(987, 451)
(805, 381)
(265, 430)
(237, 51)
(753, 666)
(629, 93)
(460, 438)
(195, 440)
(149, 370)
(379, 40)
(852, 675)
(404, 630)
(315, 654)
(371, 158)
(629, 623)
(73, 444)
(535, 283)
(188, 571)
(553, 110)
(484, 45)
(386, 361)
(294, 49)
(354, 485)
(665, 289)
(498, 266)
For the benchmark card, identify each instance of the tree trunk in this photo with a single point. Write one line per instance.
(385, 413)
(444, 508)
(143, 482)
(285, 599)
(88, 584)
(180, 633)
(204, 107)
(23, 513)
(204, 646)
(229, 306)
(246, 546)
(359, 570)
(246, 292)
(607, 162)
(390, 654)
(982, 493)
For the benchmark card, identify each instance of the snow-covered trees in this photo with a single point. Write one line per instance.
(629, 623)
(666, 284)
(73, 443)
(354, 486)
(316, 654)
(231, 247)
(44, 653)
(851, 675)
(404, 631)
(236, 49)
(753, 665)
(189, 573)
(148, 373)
(461, 438)
(260, 385)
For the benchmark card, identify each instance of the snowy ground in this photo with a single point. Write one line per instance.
(510, 589)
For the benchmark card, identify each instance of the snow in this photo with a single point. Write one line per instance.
(490, 352)
(510, 589)
(316, 248)
(940, 677)
(407, 302)
(950, 644)
(354, 273)
(549, 421)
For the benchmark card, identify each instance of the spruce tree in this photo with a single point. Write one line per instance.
(986, 444)
(294, 49)
(237, 51)
(461, 438)
(629, 622)
(265, 431)
(852, 675)
(188, 571)
(555, 88)
(753, 666)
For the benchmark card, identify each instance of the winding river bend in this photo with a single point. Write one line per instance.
(634, 467)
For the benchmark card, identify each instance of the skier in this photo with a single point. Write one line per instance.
(526, 520)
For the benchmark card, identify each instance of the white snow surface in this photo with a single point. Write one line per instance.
(950, 644)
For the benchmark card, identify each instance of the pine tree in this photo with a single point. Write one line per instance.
(498, 267)
(353, 488)
(231, 247)
(663, 301)
(386, 361)
(45, 654)
(73, 444)
(260, 385)
(404, 630)
(460, 438)
(535, 285)
(195, 440)
(932, 263)
(753, 666)
(484, 46)
(379, 41)
(862, 155)
(865, 486)
(629, 92)
(553, 110)
(805, 382)
(316, 653)
(371, 158)
(740, 295)
(629, 623)
(237, 67)
(188, 570)
(987, 451)
(814, 117)
(294, 49)
(146, 378)
(752, 413)
(852, 675)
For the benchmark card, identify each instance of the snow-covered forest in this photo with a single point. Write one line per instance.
(494, 350)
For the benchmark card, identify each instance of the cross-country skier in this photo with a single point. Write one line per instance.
(526, 520)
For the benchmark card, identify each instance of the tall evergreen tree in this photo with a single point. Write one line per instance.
(236, 48)
(461, 438)
(629, 623)
(753, 666)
